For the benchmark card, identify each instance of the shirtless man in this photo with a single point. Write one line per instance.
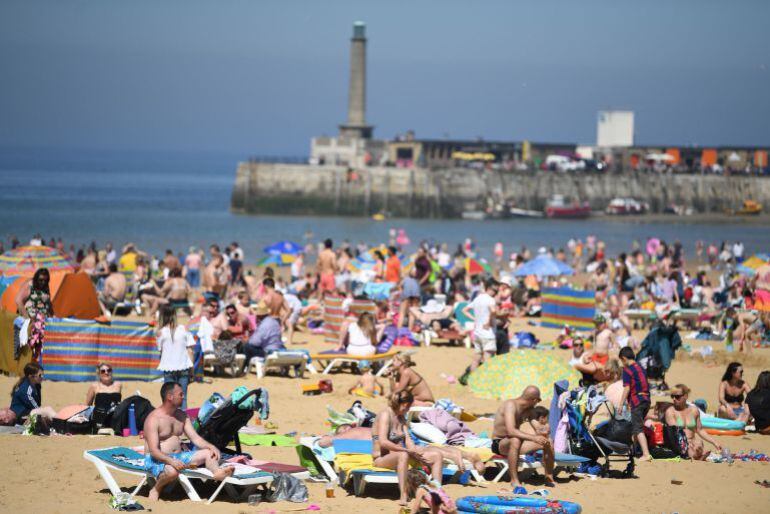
(326, 267)
(114, 290)
(164, 457)
(594, 363)
(510, 441)
(620, 326)
(275, 300)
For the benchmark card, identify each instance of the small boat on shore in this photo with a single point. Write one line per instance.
(559, 207)
(525, 213)
(750, 208)
(626, 206)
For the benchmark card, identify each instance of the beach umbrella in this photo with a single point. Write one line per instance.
(544, 266)
(288, 247)
(749, 266)
(476, 267)
(25, 260)
(505, 376)
(277, 259)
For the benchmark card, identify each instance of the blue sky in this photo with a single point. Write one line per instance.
(262, 77)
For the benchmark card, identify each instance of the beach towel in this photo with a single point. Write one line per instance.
(357, 461)
(455, 430)
(267, 440)
(378, 290)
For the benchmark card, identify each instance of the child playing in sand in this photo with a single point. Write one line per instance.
(367, 386)
(428, 493)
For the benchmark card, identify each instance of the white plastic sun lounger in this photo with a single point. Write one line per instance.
(131, 462)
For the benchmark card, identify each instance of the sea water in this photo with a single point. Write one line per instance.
(175, 200)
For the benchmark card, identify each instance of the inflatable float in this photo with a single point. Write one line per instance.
(518, 504)
(714, 431)
(715, 423)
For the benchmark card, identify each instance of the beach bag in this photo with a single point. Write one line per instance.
(617, 429)
(142, 409)
(287, 488)
(524, 340)
(675, 439)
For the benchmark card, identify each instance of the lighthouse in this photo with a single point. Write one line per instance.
(356, 126)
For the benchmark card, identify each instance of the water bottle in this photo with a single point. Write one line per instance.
(132, 420)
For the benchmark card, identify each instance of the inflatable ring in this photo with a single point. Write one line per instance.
(714, 431)
(521, 504)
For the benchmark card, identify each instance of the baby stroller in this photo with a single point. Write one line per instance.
(658, 350)
(611, 441)
(221, 426)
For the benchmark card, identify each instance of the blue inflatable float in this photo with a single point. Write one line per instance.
(521, 504)
(713, 422)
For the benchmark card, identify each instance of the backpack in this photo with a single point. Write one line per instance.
(119, 419)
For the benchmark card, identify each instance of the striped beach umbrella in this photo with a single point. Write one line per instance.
(506, 376)
(25, 260)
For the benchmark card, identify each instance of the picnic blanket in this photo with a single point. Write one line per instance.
(566, 306)
(73, 348)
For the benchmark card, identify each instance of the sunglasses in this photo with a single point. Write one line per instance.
(677, 396)
(105, 371)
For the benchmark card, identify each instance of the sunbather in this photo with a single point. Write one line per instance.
(164, 456)
(403, 378)
(27, 394)
(105, 385)
(732, 394)
(510, 441)
(393, 447)
(686, 416)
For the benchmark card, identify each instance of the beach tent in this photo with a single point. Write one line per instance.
(565, 306)
(283, 247)
(27, 259)
(73, 295)
(505, 376)
(544, 266)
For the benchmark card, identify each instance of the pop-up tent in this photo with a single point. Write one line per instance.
(73, 295)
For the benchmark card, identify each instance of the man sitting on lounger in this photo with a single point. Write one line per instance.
(164, 456)
(510, 441)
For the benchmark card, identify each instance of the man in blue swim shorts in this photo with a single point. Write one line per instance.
(164, 456)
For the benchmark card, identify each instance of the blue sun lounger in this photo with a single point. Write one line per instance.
(131, 462)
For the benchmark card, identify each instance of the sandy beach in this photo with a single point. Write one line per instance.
(49, 473)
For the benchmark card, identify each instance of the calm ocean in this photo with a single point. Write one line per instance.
(160, 201)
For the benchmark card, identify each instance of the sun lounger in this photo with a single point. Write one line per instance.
(563, 460)
(282, 360)
(451, 337)
(332, 361)
(312, 459)
(211, 362)
(131, 462)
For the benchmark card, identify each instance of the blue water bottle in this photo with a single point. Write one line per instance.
(132, 420)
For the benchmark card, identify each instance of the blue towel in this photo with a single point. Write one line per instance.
(352, 446)
(378, 290)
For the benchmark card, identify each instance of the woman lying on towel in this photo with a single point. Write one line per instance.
(403, 378)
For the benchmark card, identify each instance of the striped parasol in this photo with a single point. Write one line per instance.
(25, 260)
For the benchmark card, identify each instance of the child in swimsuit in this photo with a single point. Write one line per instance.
(428, 493)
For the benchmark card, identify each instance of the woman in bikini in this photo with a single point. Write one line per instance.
(686, 416)
(403, 378)
(393, 448)
(732, 394)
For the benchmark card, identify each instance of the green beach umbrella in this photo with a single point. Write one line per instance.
(505, 376)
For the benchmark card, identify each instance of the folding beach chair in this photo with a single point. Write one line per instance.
(131, 462)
